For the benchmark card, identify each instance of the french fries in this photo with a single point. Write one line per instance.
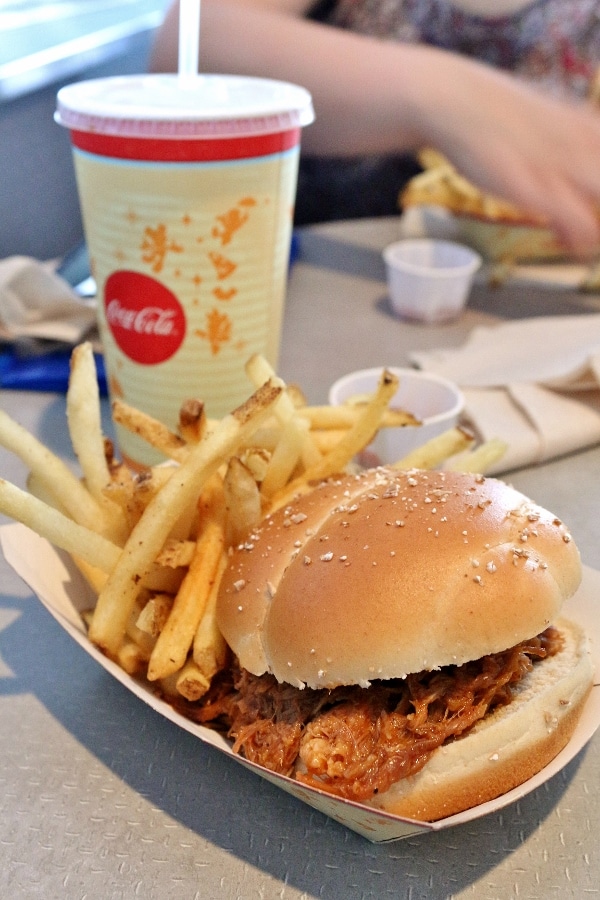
(354, 439)
(175, 639)
(116, 600)
(53, 474)
(153, 544)
(242, 501)
(435, 451)
(150, 430)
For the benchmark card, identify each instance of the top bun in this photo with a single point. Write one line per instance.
(385, 573)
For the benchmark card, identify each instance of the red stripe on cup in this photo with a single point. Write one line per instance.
(185, 149)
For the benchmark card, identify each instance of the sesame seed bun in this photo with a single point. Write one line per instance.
(386, 573)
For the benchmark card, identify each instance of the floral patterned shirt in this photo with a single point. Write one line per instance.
(555, 43)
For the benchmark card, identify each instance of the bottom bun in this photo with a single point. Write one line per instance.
(506, 748)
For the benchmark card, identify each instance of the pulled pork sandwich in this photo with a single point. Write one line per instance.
(397, 641)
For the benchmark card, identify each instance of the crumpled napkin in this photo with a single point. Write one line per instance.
(533, 383)
(35, 302)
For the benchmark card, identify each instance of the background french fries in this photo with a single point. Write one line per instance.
(153, 544)
(440, 184)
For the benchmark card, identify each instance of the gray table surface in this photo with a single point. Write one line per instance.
(102, 798)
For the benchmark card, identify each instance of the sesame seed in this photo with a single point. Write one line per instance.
(326, 557)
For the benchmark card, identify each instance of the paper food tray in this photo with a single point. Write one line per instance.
(64, 593)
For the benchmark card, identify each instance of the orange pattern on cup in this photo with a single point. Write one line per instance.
(156, 245)
(224, 293)
(223, 266)
(232, 220)
(218, 330)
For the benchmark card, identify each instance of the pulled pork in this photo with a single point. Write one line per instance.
(355, 742)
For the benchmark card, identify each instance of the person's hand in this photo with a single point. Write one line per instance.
(509, 139)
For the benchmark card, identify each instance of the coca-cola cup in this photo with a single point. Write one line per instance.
(187, 192)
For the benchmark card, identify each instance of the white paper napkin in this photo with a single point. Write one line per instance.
(534, 383)
(35, 302)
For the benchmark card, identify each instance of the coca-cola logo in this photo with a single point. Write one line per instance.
(145, 318)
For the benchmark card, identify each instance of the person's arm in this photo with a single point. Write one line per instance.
(374, 96)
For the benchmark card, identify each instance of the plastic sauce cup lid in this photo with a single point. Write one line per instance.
(210, 106)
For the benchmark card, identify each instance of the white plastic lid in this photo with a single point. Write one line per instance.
(164, 106)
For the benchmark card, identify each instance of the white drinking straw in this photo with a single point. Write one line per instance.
(189, 39)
